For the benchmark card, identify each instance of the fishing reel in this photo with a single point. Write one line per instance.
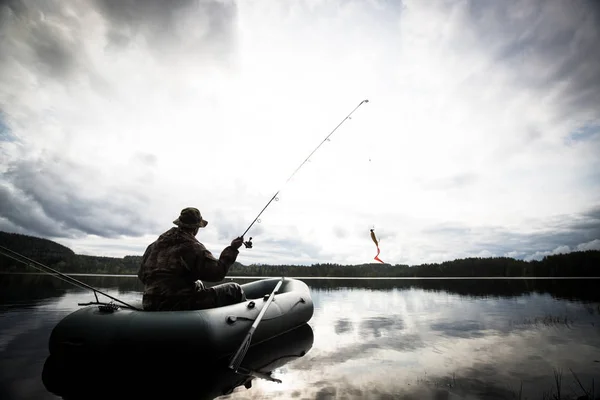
(248, 243)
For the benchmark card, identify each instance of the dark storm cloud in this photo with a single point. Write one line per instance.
(47, 37)
(160, 22)
(26, 216)
(52, 197)
(564, 230)
(32, 36)
(553, 45)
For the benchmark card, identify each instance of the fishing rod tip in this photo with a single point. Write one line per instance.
(365, 101)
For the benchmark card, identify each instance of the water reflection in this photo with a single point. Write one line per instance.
(436, 344)
(19, 289)
(569, 289)
(415, 339)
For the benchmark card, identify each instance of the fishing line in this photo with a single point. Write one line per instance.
(248, 244)
(64, 277)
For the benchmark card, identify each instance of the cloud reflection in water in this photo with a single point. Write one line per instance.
(433, 344)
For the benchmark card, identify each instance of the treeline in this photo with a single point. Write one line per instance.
(54, 255)
(584, 263)
(61, 258)
(41, 250)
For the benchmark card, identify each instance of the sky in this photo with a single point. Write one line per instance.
(480, 138)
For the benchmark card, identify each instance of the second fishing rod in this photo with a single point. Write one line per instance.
(248, 243)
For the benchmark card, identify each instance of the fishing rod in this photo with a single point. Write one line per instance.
(248, 244)
(64, 277)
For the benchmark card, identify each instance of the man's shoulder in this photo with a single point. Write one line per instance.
(177, 238)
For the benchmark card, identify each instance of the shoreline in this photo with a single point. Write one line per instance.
(330, 277)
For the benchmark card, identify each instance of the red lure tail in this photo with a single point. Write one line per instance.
(377, 256)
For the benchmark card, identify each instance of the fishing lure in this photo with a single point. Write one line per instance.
(377, 245)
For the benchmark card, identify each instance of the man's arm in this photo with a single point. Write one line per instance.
(211, 269)
(141, 275)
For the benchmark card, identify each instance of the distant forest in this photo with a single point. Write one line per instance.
(61, 258)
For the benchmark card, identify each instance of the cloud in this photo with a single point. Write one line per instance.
(562, 234)
(480, 136)
(42, 34)
(172, 26)
(463, 329)
(377, 326)
(64, 177)
(549, 42)
(54, 197)
(593, 245)
(343, 325)
(340, 232)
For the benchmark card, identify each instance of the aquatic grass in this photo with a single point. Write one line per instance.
(546, 320)
(558, 386)
(558, 382)
(592, 309)
(555, 392)
(588, 394)
(519, 395)
(445, 381)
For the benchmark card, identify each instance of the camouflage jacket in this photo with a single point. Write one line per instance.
(176, 260)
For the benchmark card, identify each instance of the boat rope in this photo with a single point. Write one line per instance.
(64, 277)
(248, 243)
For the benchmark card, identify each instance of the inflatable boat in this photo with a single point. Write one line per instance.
(194, 377)
(104, 331)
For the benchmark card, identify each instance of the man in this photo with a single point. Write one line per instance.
(176, 260)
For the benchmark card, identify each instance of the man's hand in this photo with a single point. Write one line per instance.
(237, 242)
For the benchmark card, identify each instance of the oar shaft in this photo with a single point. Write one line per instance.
(269, 301)
(236, 360)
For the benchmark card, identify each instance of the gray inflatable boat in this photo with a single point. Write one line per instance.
(100, 331)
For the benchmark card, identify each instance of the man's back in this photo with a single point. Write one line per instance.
(167, 265)
(175, 261)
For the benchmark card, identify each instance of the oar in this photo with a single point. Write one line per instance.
(235, 362)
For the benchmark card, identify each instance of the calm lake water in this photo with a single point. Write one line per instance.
(373, 339)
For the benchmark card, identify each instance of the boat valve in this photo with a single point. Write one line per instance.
(231, 319)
